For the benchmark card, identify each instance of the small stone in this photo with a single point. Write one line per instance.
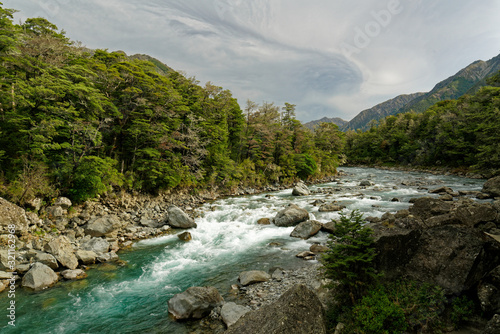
(305, 254)
(264, 221)
(76, 274)
(316, 248)
(231, 312)
(253, 276)
(185, 236)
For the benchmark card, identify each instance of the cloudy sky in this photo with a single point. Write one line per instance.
(331, 58)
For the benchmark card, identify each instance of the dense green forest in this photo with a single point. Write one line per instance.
(80, 122)
(462, 133)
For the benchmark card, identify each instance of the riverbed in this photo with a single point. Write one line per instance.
(132, 298)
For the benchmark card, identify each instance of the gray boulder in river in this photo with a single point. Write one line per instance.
(492, 187)
(297, 311)
(300, 190)
(306, 229)
(194, 303)
(290, 216)
(39, 277)
(179, 219)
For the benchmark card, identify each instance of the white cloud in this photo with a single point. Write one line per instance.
(291, 50)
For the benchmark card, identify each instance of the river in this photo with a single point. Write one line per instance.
(133, 298)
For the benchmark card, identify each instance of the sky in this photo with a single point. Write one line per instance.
(331, 58)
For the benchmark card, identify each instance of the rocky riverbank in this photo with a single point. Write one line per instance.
(66, 238)
(451, 241)
(59, 240)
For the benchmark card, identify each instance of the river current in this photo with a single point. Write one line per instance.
(133, 298)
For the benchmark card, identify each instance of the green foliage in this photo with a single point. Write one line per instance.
(85, 115)
(454, 133)
(377, 314)
(462, 308)
(305, 165)
(94, 176)
(396, 307)
(350, 258)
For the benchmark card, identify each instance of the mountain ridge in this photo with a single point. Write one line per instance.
(335, 120)
(467, 80)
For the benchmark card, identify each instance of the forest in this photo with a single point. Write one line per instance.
(81, 122)
(462, 133)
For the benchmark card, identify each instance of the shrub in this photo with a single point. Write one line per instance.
(350, 258)
(461, 310)
(377, 314)
(94, 176)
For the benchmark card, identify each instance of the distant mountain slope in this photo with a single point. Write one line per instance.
(467, 80)
(313, 124)
(380, 111)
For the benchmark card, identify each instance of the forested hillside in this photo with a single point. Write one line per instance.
(455, 133)
(79, 122)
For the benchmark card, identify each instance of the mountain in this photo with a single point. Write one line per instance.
(380, 111)
(465, 81)
(313, 124)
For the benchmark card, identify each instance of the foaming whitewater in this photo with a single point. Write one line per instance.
(228, 240)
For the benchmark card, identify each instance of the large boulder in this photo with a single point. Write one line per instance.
(39, 277)
(306, 229)
(290, 216)
(194, 303)
(253, 276)
(231, 312)
(300, 190)
(102, 226)
(426, 207)
(438, 244)
(449, 256)
(11, 214)
(492, 187)
(297, 311)
(45, 258)
(85, 256)
(96, 245)
(395, 247)
(179, 219)
(472, 213)
(63, 251)
(329, 227)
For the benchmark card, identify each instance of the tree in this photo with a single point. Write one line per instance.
(351, 255)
